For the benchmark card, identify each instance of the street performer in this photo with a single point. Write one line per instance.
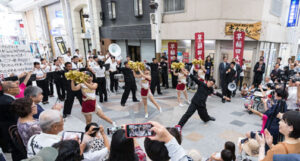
(199, 100)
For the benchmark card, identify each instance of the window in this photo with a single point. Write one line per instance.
(173, 5)
(112, 10)
(138, 8)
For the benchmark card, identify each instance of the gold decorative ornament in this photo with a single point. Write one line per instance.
(195, 62)
(136, 65)
(76, 76)
(177, 65)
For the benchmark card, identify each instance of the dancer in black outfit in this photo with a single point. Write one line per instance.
(199, 101)
(58, 77)
(174, 78)
(70, 94)
(130, 84)
(155, 76)
(99, 71)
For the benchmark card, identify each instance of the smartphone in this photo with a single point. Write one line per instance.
(139, 130)
(96, 129)
(72, 135)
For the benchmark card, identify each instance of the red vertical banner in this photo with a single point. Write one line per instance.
(238, 46)
(185, 57)
(199, 45)
(172, 51)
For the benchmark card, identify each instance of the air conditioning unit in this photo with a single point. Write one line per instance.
(152, 18)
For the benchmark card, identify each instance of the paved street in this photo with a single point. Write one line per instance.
(231, 119)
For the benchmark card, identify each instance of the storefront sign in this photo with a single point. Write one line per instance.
(251, 30)
(15, 59)
(293, 14)
(185, 57)
(172, 51)
(199, 45)
(55, 32)
(238, 46)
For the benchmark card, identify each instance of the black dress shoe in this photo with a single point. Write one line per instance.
(136, 100)
(223, 100)
(212, 118)
(65, 116)
(123, 104)
(101, 101)
(105, 99)
(228, 100)
(160, 93)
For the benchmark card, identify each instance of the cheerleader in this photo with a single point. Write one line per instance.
(145, 91)
(181, 86)
(89, 106)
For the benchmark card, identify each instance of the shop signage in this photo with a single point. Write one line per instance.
(15, 59)
(293, 14)
(185, 57)
(199, 45)
(251, 30)
(172, 51)
(55, 32)
(238, 46)
(59, 14)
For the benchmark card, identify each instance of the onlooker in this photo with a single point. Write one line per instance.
(51, 123)
(125, 149)
(46, 154)
(7, 116)
(27, 126)
(35, 93)
(238, 70)
(222, 69)
(242, 74)
(289, 127)
(208, 67)
(68, 150)
(219, 157)
(226, 155)
(275, 74)
(23, 85)
(244, 91)
(97, 144)
(41, 81)
(259, 70)
(292, 98)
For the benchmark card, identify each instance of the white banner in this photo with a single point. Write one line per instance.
(15, 59)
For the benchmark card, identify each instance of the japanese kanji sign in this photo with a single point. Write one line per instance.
(238, 46)
(251, 30)
(185, 57)
(199, 45)
(293, 14)
(172, 51)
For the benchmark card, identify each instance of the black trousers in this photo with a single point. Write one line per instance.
(60, 89)
(101, 81)
(70, 100)
(155, 84)
(113, 81)
(241, 82)
(202, 111)
(236, 82)
(207, 76)
(51, 82)
(165, 81)
(43, 84)
(174, 80)
(226, 92)
(129, 87)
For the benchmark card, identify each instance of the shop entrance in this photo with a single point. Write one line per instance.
(134, 52)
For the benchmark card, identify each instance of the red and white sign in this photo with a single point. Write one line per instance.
(172, 51)
(199, 45)
(238, 46)
(185, 57)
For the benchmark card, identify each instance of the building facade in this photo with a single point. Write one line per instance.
(127, 23)
(181, 19)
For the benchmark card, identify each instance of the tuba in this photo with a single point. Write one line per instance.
(232, 86)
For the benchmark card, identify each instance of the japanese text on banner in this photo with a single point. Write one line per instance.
(238, 46)
(199, 45)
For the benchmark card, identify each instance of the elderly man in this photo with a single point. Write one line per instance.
(51, 123)
(7, 116)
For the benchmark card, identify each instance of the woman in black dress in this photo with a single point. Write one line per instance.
(208, 67)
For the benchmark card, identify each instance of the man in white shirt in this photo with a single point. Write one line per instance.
(292, 97)
(67, 57)
(51, 123)
(76, 65)
(77, 53)
(113, 71)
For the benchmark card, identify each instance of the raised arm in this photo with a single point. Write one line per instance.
(27, 77)
(92, 86)
(73, 87)
(174, 72)
(143, 75)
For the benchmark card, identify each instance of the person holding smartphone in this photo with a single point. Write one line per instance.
(89, 106)
(97, 143)
(145, 92)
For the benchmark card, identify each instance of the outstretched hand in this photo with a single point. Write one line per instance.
(161, 133)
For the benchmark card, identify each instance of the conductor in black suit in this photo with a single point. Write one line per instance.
(199, 101)
(130, 84)
(229, 77)
(238, 70)
(222, 70)
(154, 76)
(7, 115)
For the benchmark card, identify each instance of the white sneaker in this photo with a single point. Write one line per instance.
(114, 124)
(181, 105)
(160, 110)
(146, 115)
